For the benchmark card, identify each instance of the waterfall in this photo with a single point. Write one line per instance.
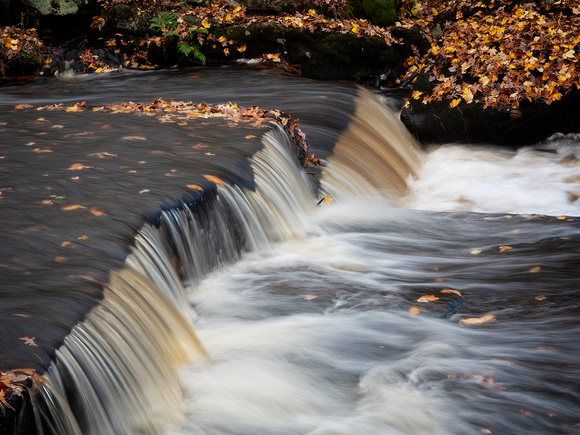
(375, 152)
(117, 371)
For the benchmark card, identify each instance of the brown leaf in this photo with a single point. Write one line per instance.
(96, 212)
(535, 269)
(29, 341)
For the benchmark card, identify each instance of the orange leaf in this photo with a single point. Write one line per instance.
(427, 298)
(72, 207)
(505, 248)
(83, 237)
(540, 298)
(250, 136)
(22, 106)
(29, 341)
(478, 320)
(535, 269)
(414, 310)
(448, 290)
(96, 212)
(215, 180)
(194, 186)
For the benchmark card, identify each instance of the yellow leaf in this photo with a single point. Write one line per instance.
(83, 237)
(250, 136)
(449, 290)
(416, 95)
(414, 310)
(222, 39)
(484, 80)
(505, 248)
(328, 199)
(540, 298)
(428, 298)
(455, 102)
(194, 186)
(241, 49)
(478, 320)
(467, 95)
(78, 167)
(205, 23)
(354, 28)
(73, 207)
(227, 51)
(215, 180)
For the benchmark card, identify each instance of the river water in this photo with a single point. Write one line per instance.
(447, 304)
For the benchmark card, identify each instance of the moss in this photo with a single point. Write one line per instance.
(380, 12)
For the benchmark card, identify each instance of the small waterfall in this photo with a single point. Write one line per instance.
(117, 370)
(375, 152)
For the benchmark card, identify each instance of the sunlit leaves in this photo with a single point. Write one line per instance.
(478, 320)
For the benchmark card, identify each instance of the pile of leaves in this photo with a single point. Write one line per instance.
(181, 112)
(496, 53)
(13, 383)
(19, 45)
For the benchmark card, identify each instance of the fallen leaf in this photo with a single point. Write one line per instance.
(310, 297)
(535, 269)
(215, 180)
(194, 186)
(96, 212)
(478, 320)
(414, 310)
(250, 136)
(78, 167)
(102, 155)
(144, 191)
(29, 341)
(475, 251)
(60, 259)
(22, 106)
(327, 200)
(427, 298)
(505, 248)
(449, 290)
(73, 207)
(63, 244)
(540, 298)
(83, 237)
(133, 138)
(39, 150)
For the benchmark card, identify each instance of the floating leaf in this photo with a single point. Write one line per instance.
(214, 179)
(73, 207)
(78, 167)
(535, 269)
(475, 251)
(22, 106)
(427, 298)
(478, 320)
(326, 200)
(194, 186)
(540, 298)
(250, 136)
(83, 237)
(505, 248)
(414, 310)
(29, 341)
(96, 212)
(449, 290)
(310, 297)
(133, 138)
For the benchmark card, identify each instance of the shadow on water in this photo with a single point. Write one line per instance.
(310, 319)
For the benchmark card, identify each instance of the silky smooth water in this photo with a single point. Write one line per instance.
(312, 319)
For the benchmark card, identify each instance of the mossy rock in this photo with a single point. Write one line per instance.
(380, 12)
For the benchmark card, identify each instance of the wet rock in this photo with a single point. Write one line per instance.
(59, 7)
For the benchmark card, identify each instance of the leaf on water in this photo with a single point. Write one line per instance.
(504, 248)
(63, 244)
(83, 237)
(194, 186)
(39, 150)
(96, 212)
(478, 320)
(73, 207)
(327, 200)
(29, 341)
(102, 155)
(22, 106)
(414, 310)
(561, 217)
(427, 298)
(241, 48)
(535, 269)
(449, 290)
(209, 154)
(133, 138)
(250, 136)
(540, 298)
(475, 251)
(78, 167)
(21, 315)
(310, 297)
(144, 191)
(60, 259)
(215, 180)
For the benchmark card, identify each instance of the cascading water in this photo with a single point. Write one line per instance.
(357, 317)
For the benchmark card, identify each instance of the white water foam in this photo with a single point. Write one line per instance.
(491, 180)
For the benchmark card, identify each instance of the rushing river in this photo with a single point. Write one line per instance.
(446, 305)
